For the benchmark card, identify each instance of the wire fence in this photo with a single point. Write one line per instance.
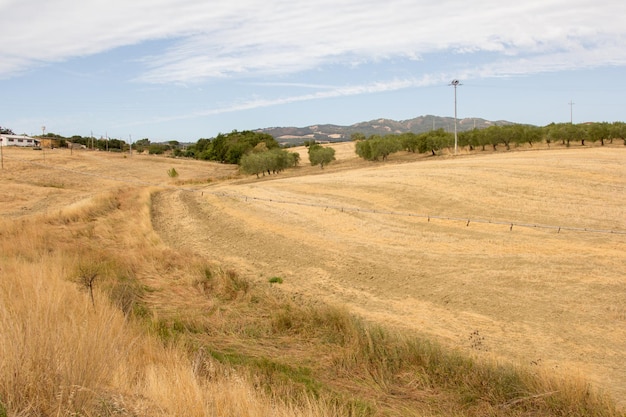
(467, 220)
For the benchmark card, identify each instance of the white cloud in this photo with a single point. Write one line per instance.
(213, 39)
(326, 93)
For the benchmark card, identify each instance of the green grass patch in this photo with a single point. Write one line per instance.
(174, 329)
(271, 372)
(275, 280)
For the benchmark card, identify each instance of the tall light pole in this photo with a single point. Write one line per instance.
(455, 83)
(571, 112)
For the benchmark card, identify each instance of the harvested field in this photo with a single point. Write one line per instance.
(444, 247)
(362, 237)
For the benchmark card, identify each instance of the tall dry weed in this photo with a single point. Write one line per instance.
(57, 349)
(63, 355)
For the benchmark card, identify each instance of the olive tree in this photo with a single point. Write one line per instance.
(319, 155)
(270, 161)
(385, 146)
(378, 147)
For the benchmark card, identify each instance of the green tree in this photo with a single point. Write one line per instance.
(385, 146)
(142, 144)
(599, 132)
(618, 131)
(363, 148)
(229, 148)
(494, 136)
(199, 150)
(575, 133)
(436, 140)
(319, 155)
(555, 132)
(278, 160)
(117, 144)
(532, 134)
(469, 138)
(294, 159)
(252, 163)
(357, 136)
(410, 142)
(270, 161)
(376, 147)
(156, 148)
(515, 134)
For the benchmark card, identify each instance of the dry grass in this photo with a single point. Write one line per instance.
(171, 334)
(62, 355)
(538, 296)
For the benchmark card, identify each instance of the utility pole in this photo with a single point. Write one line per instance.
(571, 112)
(455, 83)
(43, 148)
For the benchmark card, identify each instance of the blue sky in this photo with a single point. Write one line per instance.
(187, 69)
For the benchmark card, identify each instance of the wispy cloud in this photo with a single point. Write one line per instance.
(292, 84)
(339, 91)
(248, 38)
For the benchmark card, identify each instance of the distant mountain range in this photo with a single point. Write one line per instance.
(334, 133)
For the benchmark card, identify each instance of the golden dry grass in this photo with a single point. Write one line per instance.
(533, 295)
(74, 212)
(62, 355)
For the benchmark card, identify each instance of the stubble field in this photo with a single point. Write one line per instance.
(375, 238)
(443, 247)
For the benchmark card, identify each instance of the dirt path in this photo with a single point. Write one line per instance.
(532, 296)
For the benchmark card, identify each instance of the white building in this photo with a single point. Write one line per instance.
(18, 140)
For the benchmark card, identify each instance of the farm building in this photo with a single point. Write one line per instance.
(18, 140)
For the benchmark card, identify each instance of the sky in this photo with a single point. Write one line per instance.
(189, 69)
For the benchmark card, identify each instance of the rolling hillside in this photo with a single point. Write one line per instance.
(335, 133)
(489, 283)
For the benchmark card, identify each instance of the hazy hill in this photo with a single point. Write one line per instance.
(335, 133)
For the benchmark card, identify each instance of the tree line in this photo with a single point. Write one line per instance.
(229, 147)
(259, 153)
(377, 147)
